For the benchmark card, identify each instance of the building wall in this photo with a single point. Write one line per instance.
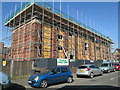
(116, 54)
(4, 51)
(1, 48)
(35, 40)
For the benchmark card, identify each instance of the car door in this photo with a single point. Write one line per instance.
(98, 70)
(93, 69)
(112, 64)
(111, 67)
(64, 73)
(55, 75)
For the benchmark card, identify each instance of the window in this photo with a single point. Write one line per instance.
(105, 64)
(92, 66)
(64, 69)
(86, 46)
(56, 70)
(57, 28)
(82, 67)
(71, 56)
(116, 64)
(59, 47)
(65, 56)
(70, 34)
(98, 48)
(60, 37)
(93, 39)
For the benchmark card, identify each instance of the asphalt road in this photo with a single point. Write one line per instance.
(106, 82)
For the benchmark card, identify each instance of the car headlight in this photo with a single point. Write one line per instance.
(36, 78)
(106, 68)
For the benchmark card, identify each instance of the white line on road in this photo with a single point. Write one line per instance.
(112, 78)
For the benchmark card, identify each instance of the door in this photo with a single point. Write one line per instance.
(64, 73)
(55, 75)
(98, 70)
(93, 69)
(112, 66)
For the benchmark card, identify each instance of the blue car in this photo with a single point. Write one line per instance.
(5, 80)
(53, 75)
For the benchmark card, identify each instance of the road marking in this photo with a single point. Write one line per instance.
(95, 84)
(112, 78)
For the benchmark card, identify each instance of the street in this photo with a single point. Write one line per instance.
(107, 81)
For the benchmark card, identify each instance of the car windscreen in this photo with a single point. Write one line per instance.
(105, 64)
(82, 67)
(45, 70)
(116, 64)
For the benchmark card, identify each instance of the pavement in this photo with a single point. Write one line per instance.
(106, 82)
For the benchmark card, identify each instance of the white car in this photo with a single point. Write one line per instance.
(107, 67)
(89, 70)
(4, 80)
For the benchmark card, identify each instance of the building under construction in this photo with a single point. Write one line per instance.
(41, 31)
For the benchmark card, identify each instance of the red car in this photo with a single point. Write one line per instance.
(117, 66)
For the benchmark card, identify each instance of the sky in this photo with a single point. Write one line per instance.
(102, 16)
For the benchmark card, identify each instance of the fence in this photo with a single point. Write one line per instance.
(18, 68)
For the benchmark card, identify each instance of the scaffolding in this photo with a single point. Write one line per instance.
(41, 31)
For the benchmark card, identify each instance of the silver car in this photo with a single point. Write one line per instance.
(88, 70)
(4, 80)
(107, 67)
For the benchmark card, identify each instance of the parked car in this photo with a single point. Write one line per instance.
(88, 70)
(107, 67)
(117, 66)
(4, 80)
(51, 76)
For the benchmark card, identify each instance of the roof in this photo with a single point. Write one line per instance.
(117, 49)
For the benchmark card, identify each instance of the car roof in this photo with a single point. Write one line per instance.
(60, 67)
(86, 64)
(107, 62)
(116, 63)
(3, 74)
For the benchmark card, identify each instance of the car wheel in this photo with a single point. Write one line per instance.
(69, 79)
(43, 84)
(101, 73)
(91, 75)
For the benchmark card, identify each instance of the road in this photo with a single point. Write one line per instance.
(106, 82)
